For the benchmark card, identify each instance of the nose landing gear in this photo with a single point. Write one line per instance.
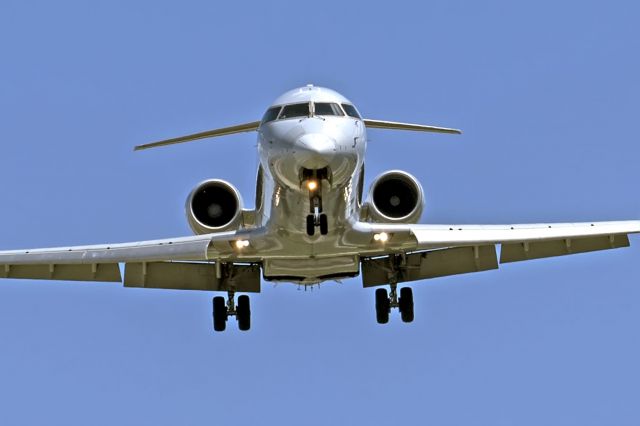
(320, 221)
(316, 218)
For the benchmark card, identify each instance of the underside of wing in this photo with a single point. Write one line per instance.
(440, 250)
(186, 263)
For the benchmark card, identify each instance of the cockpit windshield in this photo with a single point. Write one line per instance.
(326, 108)
(304, 110)
(295, 110)
(351, 111)
(271, 114)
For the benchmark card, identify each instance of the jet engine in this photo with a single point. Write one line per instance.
(395, 197)
(214, 206)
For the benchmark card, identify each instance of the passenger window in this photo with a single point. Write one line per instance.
(271, 114)
(325, 108)
(351, 111)
(295, 110)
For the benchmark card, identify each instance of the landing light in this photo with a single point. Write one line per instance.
(312, 185)
(240, 244)
(383, 237)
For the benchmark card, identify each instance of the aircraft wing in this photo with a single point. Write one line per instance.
(426, 251)
(440, 250)
(185, 263)
(531, 234)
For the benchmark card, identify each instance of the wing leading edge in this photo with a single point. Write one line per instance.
(429, 236)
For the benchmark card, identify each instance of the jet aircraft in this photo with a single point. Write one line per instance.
(311, 223)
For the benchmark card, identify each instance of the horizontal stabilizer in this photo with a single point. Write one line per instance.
(394, 125)
(240, 128)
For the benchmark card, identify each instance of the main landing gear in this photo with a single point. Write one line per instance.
(222, 311)
(385, 302)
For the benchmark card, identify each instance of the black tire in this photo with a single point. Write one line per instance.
(219, 313)
(243, 313)
(311, 226)
(406, 304)
(324, 224)
(382, 306)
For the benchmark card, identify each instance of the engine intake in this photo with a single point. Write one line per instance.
(395, 197)
(213, 206)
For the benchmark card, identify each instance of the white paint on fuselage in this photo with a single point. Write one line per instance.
(285, 147)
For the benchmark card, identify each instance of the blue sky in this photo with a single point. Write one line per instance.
(546, 93)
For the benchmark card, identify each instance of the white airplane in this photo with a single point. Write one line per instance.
(310, 223)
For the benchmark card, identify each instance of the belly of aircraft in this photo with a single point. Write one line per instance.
(311, 270)
(289, 254)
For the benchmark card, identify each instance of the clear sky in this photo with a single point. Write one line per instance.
(547, 94)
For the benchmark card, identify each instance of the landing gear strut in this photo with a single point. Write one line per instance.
(222, 311)
(385, 302)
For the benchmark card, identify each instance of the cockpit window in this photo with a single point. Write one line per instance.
(295, 110)
(351, 111)
(271, 114)
(325, 108)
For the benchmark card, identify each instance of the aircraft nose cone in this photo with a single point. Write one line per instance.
(315, 150)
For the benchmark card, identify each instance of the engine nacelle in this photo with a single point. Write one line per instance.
(214, 206)
(395, 197)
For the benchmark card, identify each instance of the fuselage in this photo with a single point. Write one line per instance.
(310, 134)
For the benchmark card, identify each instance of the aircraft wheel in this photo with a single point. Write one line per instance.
(219, 313)
(243, 313)
(406, 304)
(324, 225)
(311, 226)
(382, 306)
